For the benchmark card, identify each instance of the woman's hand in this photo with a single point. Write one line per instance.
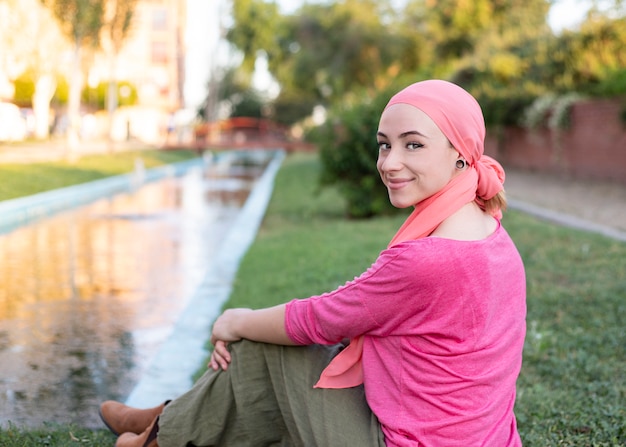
(225, 331)
(220, 357)
(261, 325)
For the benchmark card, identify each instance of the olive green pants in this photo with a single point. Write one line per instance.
(266, 398)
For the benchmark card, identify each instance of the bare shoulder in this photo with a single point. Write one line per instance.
(470, 223)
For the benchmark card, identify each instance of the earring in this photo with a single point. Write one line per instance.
(460, 164)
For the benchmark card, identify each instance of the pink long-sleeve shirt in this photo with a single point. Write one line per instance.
(444, 326)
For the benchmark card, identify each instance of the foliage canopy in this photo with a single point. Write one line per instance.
(81, 20)
(343, 55)
(325, 52)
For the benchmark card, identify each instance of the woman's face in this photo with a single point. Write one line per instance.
(415, 159)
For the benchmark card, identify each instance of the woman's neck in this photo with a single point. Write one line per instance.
(469, 223)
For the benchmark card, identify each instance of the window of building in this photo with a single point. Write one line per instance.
(159, 53)
(159, 19)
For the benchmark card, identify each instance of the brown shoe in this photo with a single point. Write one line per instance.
(120, 418)
(146, 439)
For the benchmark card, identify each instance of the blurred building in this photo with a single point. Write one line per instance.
(152, 59)
(153, 55)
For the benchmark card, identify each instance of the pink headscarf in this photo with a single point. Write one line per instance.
(459, 117)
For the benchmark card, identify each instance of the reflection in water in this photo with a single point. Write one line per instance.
(86, 297)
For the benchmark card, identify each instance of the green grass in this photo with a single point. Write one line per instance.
(20, 180)
(54, 435)
(572, 388)
(571, 391)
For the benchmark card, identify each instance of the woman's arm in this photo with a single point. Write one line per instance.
(262, 325)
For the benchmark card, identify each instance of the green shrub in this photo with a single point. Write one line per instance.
(289, 109)
(502, 102)
(503, 111)
(24, 89)
(614, 84)
(348, 153)
(97, 97)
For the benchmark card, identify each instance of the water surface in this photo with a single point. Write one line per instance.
(88, 296)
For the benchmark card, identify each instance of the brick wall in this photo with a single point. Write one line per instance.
(593, 147)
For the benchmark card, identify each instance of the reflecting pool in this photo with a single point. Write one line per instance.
(88, 295)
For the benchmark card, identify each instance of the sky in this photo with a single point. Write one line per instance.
(204, 29)
(201, 36)
(567, 13)
(563, 14)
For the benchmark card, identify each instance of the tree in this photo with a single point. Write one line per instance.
(81, 21)
(458, 30)
(521, 60)
(503, 51)
(503, 61)
(453, 26)
(34, 46)
(256, 24)
(323, 52)
(237, 94)
(117, 27)
(595, 51)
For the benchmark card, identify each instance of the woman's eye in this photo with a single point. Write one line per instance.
(414, 146)
(382, 146)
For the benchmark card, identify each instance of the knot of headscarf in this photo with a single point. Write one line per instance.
(459, 117)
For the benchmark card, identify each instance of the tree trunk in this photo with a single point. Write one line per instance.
(44, 91)
(112, 102)
(73, 105)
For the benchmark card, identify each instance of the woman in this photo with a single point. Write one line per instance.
(436, 324)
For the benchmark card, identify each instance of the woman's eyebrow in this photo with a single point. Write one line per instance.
(412, 132)
(403, 134)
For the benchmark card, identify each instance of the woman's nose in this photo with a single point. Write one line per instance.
(391, 160)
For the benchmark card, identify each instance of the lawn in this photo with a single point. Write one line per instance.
(571, 391)
(25, 179)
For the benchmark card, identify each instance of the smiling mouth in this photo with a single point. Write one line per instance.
(397, 184)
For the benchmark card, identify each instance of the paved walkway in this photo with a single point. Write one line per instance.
(57, 149)
(589, 205)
